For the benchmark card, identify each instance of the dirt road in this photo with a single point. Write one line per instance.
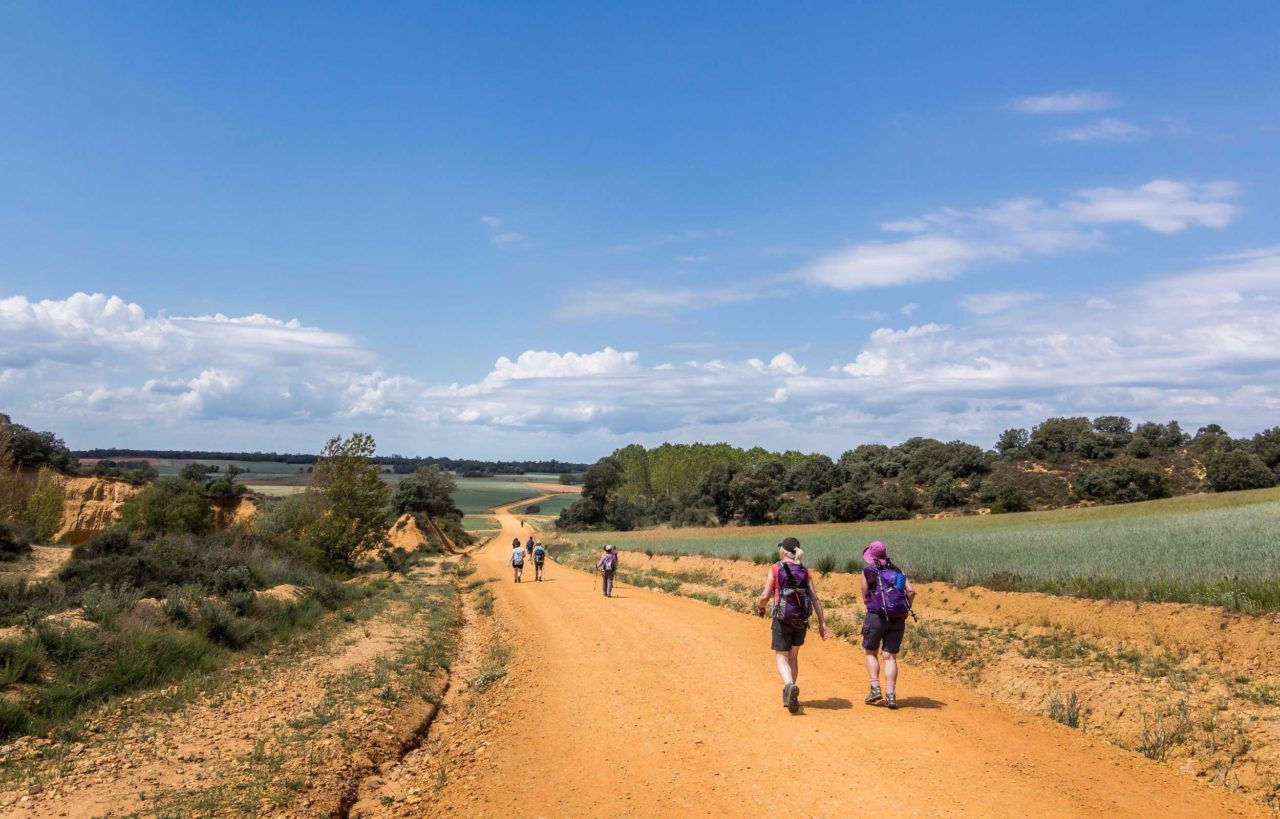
(646, 704)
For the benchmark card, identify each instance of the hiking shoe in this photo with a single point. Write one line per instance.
(786, 694)
(873, 697)
(793, 699)
(892, 702)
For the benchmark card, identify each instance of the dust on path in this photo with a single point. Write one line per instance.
(647, 704)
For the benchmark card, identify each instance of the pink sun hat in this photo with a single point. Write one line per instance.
(876, 551)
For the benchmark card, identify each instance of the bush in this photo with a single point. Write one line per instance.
(219, 625)
(1123, 483)
(843, 504)
(243, 603)
(1009, 497)
(22, 600)
(798, 513)
(19, 662)
(13, 720)
(65, 645)
(947, 494)
(44, 507)
(15, 541)
(169, 506)
(825, 565)
(1237, 469)
(395, 560)
(233, 578)
(180, 604)
(104, 604)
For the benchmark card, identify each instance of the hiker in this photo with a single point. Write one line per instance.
(517, 559)
(539, 557)
(608, 564)
(790, 587)
(888, 596)
(529, 545)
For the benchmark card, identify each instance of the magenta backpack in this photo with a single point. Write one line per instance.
(889, 592)
(794, 603)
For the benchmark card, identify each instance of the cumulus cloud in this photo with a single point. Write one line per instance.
(1201, 345)
(1066, 102)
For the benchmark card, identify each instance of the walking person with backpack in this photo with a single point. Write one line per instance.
(517, 558)
(608, 564)
(790, 587)
(539, 557)
(888, 596)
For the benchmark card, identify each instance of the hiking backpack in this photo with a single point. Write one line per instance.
(609, 561)
(890, 592)
(539, 553)
(517, 557)
(794, 604)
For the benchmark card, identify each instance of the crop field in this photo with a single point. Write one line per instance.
(552, 505)
(1212, 549)
(479, 495)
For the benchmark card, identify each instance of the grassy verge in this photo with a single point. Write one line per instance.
(1219, 549)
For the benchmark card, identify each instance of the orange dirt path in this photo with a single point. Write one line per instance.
(647, 704)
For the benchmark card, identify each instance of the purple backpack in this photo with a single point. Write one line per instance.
(888, 588)
(794, 604)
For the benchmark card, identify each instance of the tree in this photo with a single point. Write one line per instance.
(844, 504)
(815, 475)
(195, 472)
(30, 448)
(1123, 483)
(44, 507)
(14, 489)
(428, 491)
(1210, 437)
(756, 492)
(621, 513)
(1266, 445)
(1229, 470)
(1011, 442)
(1057, 435)
(602, 479)
(567, 480)
(798, 512)
(1117, 430)
(170, 505)
(1009, 497)
(351, 500)
(714, 490)
(947, 493)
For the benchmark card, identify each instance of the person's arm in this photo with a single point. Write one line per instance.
(863, 588)
(765, 596)
(817, 609)
(911, 592)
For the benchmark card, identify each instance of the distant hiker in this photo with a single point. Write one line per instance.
(888, 595)
(517, 559)
(608, 564)
(790, 587)
(539, 557)
(529, 545)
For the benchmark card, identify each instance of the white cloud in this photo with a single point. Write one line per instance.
(883, 264)
(1100, 304)
(956, 240)
(499, 237)
(491, 222)
(1066, 102)
(1161, 205)
(985, 304)
(909, 309)
(1108, 129)
(615, 300)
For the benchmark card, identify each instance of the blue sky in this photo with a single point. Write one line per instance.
(537, 230)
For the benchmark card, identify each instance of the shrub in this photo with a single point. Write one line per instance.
(13, 720)
(19, 662)
(1009, 497)
(242, 602)
(1123, 483)
(65, 645)
(947, 493)
(103, 604)
(180, 604)
(22, 600)
(1237, 469)
(843, 504)
(395, 560)
(169, 506)
(798, 513)
(825, 565)
(233, 578)
(15, 541)
(44, 507)
(533, 509)
(219, 625)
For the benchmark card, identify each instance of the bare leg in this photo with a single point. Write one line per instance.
(873, 666)
(890, 672)
(785, 668)
(793, 661)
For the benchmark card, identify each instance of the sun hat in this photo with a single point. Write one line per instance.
(791, 548)
(608, 547)
(876, 551)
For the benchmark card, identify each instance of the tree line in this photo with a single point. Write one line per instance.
(1059, 462)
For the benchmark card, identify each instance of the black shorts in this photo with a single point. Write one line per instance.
(877, 628)
(786, 636)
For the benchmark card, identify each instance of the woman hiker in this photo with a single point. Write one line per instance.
(888, 596)
(790, 587)
(607, 564)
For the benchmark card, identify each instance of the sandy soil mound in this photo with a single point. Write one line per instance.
(92, 506)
